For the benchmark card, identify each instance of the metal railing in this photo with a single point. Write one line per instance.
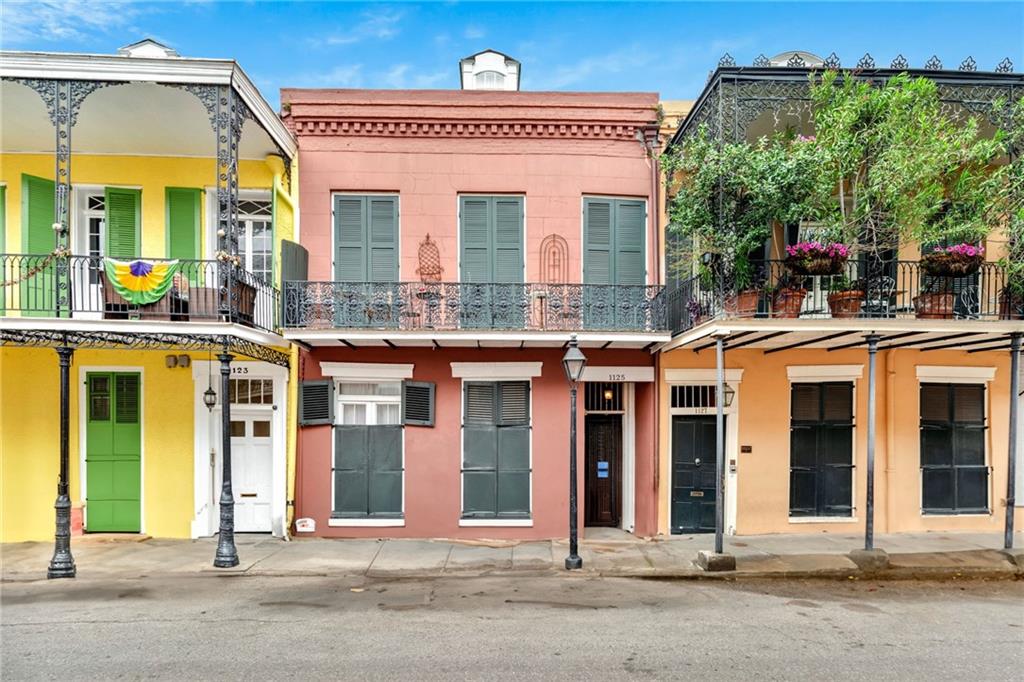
(462, 306)
(77, 287)
(889, 289)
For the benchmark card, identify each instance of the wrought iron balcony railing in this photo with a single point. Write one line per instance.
(892, 289)
(77, 287)
(464, 306)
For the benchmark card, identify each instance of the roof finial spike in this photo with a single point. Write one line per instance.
(726, 60)
(761, 61)
(866, 62)
(933, 64)
(832, 62)
(1005, 66)
(899, 63)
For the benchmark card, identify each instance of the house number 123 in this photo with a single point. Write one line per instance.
(239, 370)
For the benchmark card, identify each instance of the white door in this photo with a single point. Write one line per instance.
(251, 470)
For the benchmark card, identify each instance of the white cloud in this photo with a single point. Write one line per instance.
(347, 76)
(83, 21)
(401, 76)
(473, 33)
(379, 24)
(592, 68)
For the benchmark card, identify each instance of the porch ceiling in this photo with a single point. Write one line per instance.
(126, 118)
(469, 339)
(772, 336)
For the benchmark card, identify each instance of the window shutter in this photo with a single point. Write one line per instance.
(351, 459)
(806, 400)
(383, 238)
(480, 399)
(969, 403)
(630, 221)
(508, 239)
(294, 262)
(123, 222)
(838, 399)
(934, 403)
(385, 470)
(418, 403)
(514, 401)
(474, 240)
(316, 402)
(597, 241)
(182, 222)
(126, 390)
(37, 214)
(350, 235)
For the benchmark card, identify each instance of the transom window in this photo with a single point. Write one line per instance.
(369, 404)
(251, 391)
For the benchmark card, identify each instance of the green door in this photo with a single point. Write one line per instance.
(113, 452)
(37, 214)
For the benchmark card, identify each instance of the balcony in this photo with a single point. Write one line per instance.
(458, 306)
(889, 290)
(202, 291)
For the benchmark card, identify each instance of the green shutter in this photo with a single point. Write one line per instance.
(183, 207)
(350, 239)
(475, 240)
(316, 402)
(385, 471)
(597, 241)
(508, 239)
(124, 222)
(630, 221)
(383, 239)
(37, 215)
(367, 471)
(418, 403)
(614, 240)
(351, 456)
(496, 450)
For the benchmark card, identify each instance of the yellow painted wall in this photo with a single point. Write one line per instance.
(29, 439)
(763, 474)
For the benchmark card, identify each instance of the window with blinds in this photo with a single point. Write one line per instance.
(821, 449)
(496, 450)
(954, 474)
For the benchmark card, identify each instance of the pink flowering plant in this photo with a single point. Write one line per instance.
(817, 258)
(958, 260)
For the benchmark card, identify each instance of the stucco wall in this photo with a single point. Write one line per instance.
(764, 418)
(433, 454)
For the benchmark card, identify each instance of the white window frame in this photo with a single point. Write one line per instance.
(245, 222)
(819, 374)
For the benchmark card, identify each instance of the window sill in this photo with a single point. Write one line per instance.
(366, 523)
(496, 523)
(823, 519)
(954, 515)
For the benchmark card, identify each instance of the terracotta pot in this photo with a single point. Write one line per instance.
(743, 304)
(934, 305)
(845, 304)
(1011, 307)
(786, 303)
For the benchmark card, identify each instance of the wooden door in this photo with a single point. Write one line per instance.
(113, 452)
(693, 474)
(603, 500)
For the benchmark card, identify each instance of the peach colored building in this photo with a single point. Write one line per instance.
(457, 241)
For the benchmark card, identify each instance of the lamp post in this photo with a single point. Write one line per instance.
(227, 555)
(573, 363)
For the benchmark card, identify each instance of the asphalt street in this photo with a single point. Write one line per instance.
(246, 627)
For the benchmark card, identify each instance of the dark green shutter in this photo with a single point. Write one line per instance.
(351, 459)
(350, 239)
(367, 471)
(294, 268)
(597, 241)
(496, 450)
(475, 240)
(383, 239)
(183, 210)
(508, 239)
(418, 403)
(614, 241)
(385, 470)
(316, 402)
(37, 213)
(123, 222)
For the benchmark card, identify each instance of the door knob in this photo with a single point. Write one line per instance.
(696, 461)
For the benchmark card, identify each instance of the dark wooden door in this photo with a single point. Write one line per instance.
(693, 475)
(603, 501)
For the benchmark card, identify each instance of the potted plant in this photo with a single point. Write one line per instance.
(816, 258)
(845, 297)
(787, 297)
(959, 260)
(936, 300)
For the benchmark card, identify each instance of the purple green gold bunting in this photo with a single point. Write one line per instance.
(140, 282)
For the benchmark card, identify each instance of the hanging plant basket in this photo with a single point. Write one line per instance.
(961, 260)
(816, 259)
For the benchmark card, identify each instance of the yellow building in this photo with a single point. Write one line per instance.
(796, 389)
(145, 200)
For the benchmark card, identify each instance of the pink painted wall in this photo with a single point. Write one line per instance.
(429, 171)
(433, 454)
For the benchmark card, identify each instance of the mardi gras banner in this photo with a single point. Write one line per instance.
(140, 282)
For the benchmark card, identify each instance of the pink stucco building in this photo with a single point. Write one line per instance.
(456, 242)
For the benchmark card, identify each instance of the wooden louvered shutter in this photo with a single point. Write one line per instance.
(383, 239)
(514, 403)
(475, 240)
(127, 392)
(123, 222)
(628, 265)
(508, 239)
(183, 206)
(806, 399)
(37, 214)
(479, 450)
(597, 241)
(418, 403)
(350, 239)
(513, 489)
(837, 401)
(316, 402)
(934, 402)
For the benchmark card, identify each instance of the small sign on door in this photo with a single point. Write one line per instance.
(602, 469)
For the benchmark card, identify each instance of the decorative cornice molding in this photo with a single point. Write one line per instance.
(428, 129)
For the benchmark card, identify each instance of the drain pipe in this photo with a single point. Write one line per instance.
(890, 435)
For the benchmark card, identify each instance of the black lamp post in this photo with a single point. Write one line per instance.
(573, 362)
(227, 555)
(62, 565)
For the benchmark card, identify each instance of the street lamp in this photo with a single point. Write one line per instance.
(728, 393)
(573, 363)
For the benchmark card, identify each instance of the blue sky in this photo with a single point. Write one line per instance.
(664, 47)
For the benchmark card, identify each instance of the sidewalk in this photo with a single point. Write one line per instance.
(605, 552)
